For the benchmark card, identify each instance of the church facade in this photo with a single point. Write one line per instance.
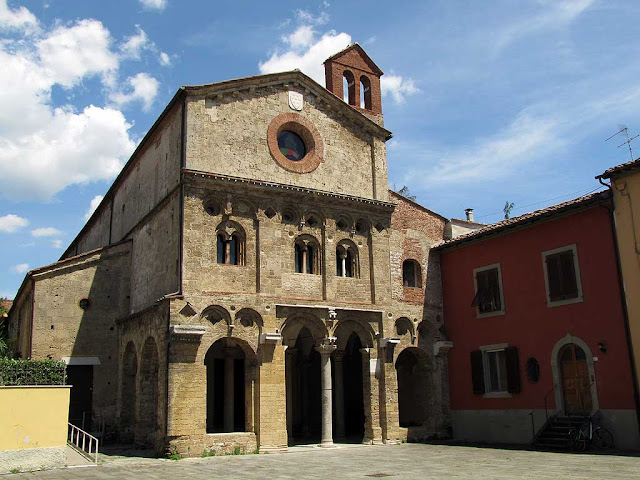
(249, 281)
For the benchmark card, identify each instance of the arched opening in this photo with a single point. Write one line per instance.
(307, 255)
(576, 388)
(353, 391)
(365, 92)
(413, 381)
(128, 399)
(303, 390)
(411, 274)
(347, 259)
(148, 419)
(230, 244)
(226, 364)
(349, 87)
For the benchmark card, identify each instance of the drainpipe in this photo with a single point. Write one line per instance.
(623, 300)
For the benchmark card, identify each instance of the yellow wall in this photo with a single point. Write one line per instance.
(626, 195)
(33, 417)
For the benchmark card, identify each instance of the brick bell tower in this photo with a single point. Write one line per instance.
(353, 67)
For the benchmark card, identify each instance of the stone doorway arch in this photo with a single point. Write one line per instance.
(412, 367)
(567, 347)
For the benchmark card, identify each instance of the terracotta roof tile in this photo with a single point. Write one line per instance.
(609, 172)
(537, 215)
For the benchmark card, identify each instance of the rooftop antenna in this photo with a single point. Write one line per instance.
(623, 128)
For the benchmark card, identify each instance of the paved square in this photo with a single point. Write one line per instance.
(405, 461)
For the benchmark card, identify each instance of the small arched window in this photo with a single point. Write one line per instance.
(230, 244)
(306, 255)
(347, 260)
(365, 93)
(349, 82)
(411, 274)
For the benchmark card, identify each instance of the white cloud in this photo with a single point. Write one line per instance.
(300, 38)
(307, 52)
(45, 149)
(12, 223)
(310, 59)
(45, 232)
(56, 243)
(398, 87)
(553, 14)
(158, 5)
(17, 18)
(143, 88)
(133, 46)
(164, 59)
(20, 268)
(70, 53)
(92, 207)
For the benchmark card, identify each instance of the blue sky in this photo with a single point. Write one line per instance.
(488, 101)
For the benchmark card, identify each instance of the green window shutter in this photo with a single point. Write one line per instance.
(477, 372)
(513, 369)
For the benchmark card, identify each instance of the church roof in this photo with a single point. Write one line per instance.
(367, 58)
(246, 83)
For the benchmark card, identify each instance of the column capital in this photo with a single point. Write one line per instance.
(326, 349)
(365, 351)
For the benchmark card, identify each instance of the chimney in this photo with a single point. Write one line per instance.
(469, 213)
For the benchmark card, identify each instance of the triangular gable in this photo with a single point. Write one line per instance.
(355, 46)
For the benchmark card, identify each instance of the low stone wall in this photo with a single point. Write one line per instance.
(235, 443)
(33, 427)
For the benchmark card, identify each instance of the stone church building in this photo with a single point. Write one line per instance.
(249, 281)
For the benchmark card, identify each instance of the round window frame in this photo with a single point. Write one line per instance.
(310, 136)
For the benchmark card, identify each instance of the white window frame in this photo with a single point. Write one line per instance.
(475, 290)
(576, 269)
(486, 349)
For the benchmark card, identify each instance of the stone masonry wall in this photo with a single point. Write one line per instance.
(62, 329)
(228, 135)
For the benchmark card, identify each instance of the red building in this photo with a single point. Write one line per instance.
(534, 309)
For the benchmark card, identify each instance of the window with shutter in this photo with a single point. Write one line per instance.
(488, 298)
(562, 278)
(495, 371)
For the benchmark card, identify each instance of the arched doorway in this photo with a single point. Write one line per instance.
(148, 419)
(128, 394)
(413, 381)
(304, 392)
(228, 398)
(576, 388)
(353, 391)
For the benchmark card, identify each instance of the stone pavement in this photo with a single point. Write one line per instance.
(407, 461)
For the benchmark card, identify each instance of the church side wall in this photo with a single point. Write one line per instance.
(61, 328)
(152, 176)
(413, 231)
(155, 255)
(228, 135)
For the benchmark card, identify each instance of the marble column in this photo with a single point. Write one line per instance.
(339, 397)
(326, 349)
(228, 395)
(290, 369)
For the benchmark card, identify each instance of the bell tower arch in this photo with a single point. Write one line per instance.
(362, 77)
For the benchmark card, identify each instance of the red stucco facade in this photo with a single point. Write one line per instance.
(528, 323)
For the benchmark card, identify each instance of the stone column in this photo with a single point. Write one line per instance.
(343, 259)
(305, 252)
(290, 358)
(227, 251)
(249, 405)
(326, 349)
(228, 394)
(339, 385)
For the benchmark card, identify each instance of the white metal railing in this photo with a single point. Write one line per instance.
(84, 442)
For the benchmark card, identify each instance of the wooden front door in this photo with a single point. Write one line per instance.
(576, 387)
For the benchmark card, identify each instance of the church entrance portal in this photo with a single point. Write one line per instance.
(225, 362)
(304, 391)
